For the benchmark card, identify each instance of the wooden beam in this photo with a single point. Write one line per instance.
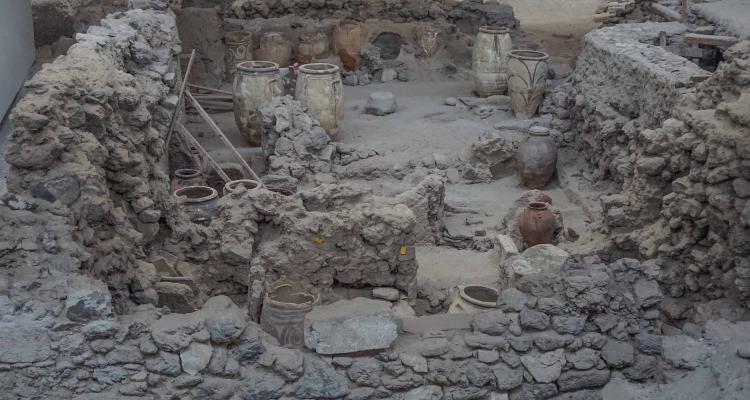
(685, 10)
(176, 112)
(223, 137)
(209, 89)
(181, 128)
(722, 42)
(667, 13)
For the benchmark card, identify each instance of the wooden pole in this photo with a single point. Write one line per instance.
(223, 137)
(667, 13)
(722, 42)
(181, 128)
(176, 112)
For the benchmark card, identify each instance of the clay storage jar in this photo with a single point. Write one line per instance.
(319, 88)
(236, 185)
(239, 49)
(489, 60)
(254, 83)
(527, 81)
(284, 310)
(185, 177)
(311, 46)
(537, 224)
(274, 48)
(348, 39)
(200, 202)
(472, 299)
(537, 158)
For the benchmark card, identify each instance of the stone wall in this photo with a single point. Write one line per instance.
(89, 136)
(64, 18)
(675, 140)
(558, 334)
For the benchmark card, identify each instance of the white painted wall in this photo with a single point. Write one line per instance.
(16, 49)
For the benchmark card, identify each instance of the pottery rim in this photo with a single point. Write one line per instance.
(538, 205)
(531, 55)
(187, 173)
(238, 37)
(232, 185)
(473, 300)
(537, 130)
(319, 68)
(257, 66)
(312, 298)
(196, 194)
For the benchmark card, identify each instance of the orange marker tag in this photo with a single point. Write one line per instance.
(317, 240)
(403, 250)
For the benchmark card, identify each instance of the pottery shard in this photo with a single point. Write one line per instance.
(348, 326)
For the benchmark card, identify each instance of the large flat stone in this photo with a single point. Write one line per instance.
(348, 326)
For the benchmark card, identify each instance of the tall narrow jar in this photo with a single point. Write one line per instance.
(489, 61)
(319, 88)
(527, 81)
(239, 49)
(254, 82)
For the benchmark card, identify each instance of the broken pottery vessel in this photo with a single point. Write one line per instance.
(274, 48)
(239, 49)
(537, 224)
(200, 202)
(254, 83)
(185, 177)
(348, 37)
(284, 310)
(527, 80)
(311, 46)
(537, 158)
(247, 184)
(489, 60)
(320, 89)
(427, 41)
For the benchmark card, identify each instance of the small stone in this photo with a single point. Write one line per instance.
(512, 299)
(648, 343)
(386, 293)
(186, 381)
(743, 350)
(575, 380)
(381, 103)
(507, 378)
(647, 292)
(583, 359)
(488, 356)
(544, 367)
(164, 363)
(424, 393)
(493, 322)
(451, 101)
(416, 362)
(683, 351)
(195, 358)
(531, 319)
(320, 381)
(643, 368)
(568, 324)
(366, 372)
(224, 320)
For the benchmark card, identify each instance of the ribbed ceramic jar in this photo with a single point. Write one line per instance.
(239, 49)
(537, 158)
(283, 315)
(489, 60)
(527, 81)
(319, 88)
(275, 48)
(254, 82)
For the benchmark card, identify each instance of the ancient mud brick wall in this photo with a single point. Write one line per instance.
(678, 148)
(89, 135)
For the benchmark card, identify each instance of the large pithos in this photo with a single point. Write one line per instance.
(319, 88)
(255, 82)
(527, 81)
(489, 61)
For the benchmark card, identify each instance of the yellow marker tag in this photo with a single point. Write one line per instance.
(403, 250)
(318, 240)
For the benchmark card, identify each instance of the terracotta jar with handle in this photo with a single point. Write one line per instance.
(320, 89)
(254, 83)
(537, 224)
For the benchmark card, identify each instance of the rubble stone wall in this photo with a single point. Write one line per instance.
(90, 132)
(676, 141)
(64, 18)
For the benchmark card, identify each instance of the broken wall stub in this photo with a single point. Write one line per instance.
(678, 147)
(89, 135)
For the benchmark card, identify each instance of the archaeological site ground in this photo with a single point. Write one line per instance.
(375, 199)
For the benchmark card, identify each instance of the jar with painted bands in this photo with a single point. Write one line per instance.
(489, 60)
(254, 83)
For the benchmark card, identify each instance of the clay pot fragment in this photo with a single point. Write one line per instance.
(537, 224)
(185, 177)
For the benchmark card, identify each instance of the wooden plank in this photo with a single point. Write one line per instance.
(721, 42)
(208, 89)
(223, 137)
(176, 112)
(210, 159)
(667, 13)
